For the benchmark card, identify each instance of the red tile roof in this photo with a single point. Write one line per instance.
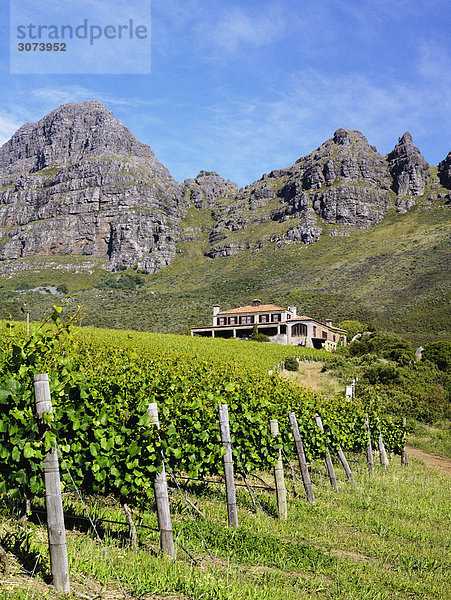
(253, 309)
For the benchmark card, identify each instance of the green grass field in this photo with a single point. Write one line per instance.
(387, 538)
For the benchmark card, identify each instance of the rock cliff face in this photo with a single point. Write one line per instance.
(409, 170)
(345, 181)
(444, 172)
(204, 190)
(78, 182)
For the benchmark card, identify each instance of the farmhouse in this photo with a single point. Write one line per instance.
(281, 325)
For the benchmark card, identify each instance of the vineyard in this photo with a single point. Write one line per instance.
(101, 386)
(101, 393)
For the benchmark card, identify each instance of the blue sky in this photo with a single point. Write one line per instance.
(245, 87)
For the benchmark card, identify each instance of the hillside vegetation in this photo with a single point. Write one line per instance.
(393, 276)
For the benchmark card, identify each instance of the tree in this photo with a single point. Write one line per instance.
(352, 328)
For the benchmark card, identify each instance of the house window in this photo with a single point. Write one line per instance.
(314, 330)
(298, 330)
(233, 320)
(325, 335)
(264, 318)
(288, 316)
(276, 318)
(222, 321)
(334, 338)
(245, 320)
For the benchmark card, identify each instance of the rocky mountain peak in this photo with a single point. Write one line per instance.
(409, 169)
(206, 188)
(406, 140)
(343, 137)
(70, 133)
(78, 182)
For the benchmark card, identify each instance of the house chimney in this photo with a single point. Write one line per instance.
(292, 310)
(215, 309)
(328, 322)
(256, 302)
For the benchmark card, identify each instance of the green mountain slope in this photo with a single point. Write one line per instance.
(394, 276)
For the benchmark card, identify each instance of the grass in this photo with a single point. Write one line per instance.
(310, 376)
(386, 538)
(436, 440)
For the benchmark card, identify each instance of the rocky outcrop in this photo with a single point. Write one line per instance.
(78, 182)
(444, 172)
(204, 190)
(408, 168)
(345, 181)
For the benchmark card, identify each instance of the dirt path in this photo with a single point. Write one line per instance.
(430, 460)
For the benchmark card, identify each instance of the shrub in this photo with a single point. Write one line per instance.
(382, 372)
(62, 288)
(258, 337)
(439, 353)
(352, 328)
(291, 364)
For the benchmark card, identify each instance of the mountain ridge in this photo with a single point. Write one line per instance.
(80, 170)
(82, 201)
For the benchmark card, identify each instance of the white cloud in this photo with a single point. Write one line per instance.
(216, 29)
(55, 96)
(52, 97)
(237, 28)
(242, 139)
(435, 63)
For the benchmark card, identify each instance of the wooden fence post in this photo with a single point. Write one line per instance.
(53, 500)
(301, 457)
(327, 459)
(232, 512)
(382, 453)
(404, 458)
(278, 475)
(369, 451)
(346, 466)
(160, 486)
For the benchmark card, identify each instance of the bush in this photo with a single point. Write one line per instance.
(385, 345)
(291, 364)
(124, 282)
(62, 288)
(439, 353)
(381, 372)
(258, 337)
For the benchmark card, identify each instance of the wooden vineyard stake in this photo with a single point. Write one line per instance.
(53, 501)
(301, 457)
(346, 466)
(328, 459)
(278, 475)
(369, 451)
(232, 512)
(132, 526)
(382, 453)
(404, 458)
(160, 486)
